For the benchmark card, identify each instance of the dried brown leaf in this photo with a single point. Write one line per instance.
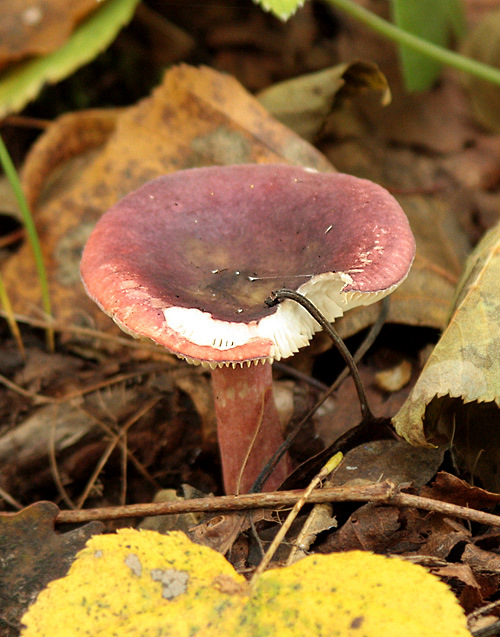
(32, 555)
(28, 28)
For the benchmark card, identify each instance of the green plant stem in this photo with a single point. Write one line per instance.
(29, 225)
(394, 33)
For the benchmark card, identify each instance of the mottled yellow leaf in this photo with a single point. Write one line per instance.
(143, 584)
(352, 594)
(465, 363)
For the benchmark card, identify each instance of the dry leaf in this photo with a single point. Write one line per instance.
(304, 103)
(29, 28)
(449, 488)
(32, 554)
(393, 460)
(465, 364)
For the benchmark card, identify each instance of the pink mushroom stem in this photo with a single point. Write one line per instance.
(249, 428)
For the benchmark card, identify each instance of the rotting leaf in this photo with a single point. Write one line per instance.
(465, 364)
(197, 116)
(118, 583)
(304, 103)
(393, 460)
(449, 488)
(32, 555)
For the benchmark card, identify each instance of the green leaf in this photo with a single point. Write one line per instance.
(434, 21)
(283, 9)
(23, 82)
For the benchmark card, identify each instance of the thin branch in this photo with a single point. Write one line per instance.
(10, 499)
(278, 295)
(285, 527)
(111, 447)
(360, 352)
(382, 492)
(42, 399)
(76, 330)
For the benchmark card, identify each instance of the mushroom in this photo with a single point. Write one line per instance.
(189, 259)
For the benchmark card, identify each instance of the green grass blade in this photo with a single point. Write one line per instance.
(11, 173)
(23, 82)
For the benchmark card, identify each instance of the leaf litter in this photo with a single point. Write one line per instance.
(442, 169)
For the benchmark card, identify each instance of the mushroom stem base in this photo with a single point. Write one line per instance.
(247, 418)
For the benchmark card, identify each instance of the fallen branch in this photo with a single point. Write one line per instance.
(382, 492)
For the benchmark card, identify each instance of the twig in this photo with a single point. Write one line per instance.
(280, 535)
(8, 498)
(54, 467)
(130, 456)
(302, 376)
(111, 447)
(360, 352)
(278, 295)
(382, 492)
(92, 333)
(40, 399)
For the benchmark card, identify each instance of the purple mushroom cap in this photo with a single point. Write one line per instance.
(189, 258)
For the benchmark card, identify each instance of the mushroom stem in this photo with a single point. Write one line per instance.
(248, 425)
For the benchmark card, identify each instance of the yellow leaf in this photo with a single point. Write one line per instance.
(130, 579)
(144, 584)
(352, 594)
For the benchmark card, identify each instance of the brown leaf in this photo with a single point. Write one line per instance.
(461, 577)
(440, 535)
(481, 560)
(32, 555)
(370, 528)
(393, 460)
(29, 28)
(449, 488)
(304, 103)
